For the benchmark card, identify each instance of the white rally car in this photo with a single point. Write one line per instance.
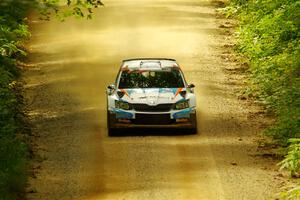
(151, 93)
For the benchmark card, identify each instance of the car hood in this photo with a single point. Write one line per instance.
(152, 96)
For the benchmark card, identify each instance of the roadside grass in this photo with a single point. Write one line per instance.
(13, 32)
(13, 150)
(268, 36)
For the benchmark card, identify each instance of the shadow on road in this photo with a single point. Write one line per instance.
(152, 132)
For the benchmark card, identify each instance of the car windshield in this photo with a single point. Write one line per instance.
(166, 78)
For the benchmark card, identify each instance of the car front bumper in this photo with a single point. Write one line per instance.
(175, 119)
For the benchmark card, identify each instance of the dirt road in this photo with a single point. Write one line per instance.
(73, 63)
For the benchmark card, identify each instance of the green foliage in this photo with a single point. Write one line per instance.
(292, 194)
(13, 32)
(269, 36)
(292, 159)
(12, 166)
(12, 150)
(77, 8)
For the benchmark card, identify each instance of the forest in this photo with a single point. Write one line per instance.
(268, 36)
(13, 149)
(14, 132)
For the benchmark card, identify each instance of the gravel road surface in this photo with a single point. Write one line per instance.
(74, 61)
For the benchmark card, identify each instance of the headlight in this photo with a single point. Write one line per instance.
(182, 105)
(122, 105)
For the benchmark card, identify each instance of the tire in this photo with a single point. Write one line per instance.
(194, 129)
(110, 132)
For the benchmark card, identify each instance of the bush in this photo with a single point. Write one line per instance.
(13, 31)
(292, 159)
(12, 168)
(12, 149)
(292, 194)
(269, 36)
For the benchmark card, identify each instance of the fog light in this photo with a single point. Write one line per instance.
(182, 105)
(122, 105)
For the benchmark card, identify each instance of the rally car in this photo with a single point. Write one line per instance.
(151, 93)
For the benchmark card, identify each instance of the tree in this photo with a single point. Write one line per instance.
(13, 31)
(77, 8)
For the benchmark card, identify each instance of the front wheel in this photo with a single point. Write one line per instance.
(110, 131)
(194, 128)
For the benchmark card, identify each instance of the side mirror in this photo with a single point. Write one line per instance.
(191, 85)
(110, 89)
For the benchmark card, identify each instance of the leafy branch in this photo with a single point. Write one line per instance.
(291, 161)
(77, 8)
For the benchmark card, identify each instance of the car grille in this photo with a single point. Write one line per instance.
(152, 119)
(147, 108)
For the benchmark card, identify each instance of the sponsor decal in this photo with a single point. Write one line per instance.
(178, 91)
(125, 92)
(166, 90)
(121, 114)
(182, 114)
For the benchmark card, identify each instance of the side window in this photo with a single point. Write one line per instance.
(122, 80)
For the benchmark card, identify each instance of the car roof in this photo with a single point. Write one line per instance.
(148, 63)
